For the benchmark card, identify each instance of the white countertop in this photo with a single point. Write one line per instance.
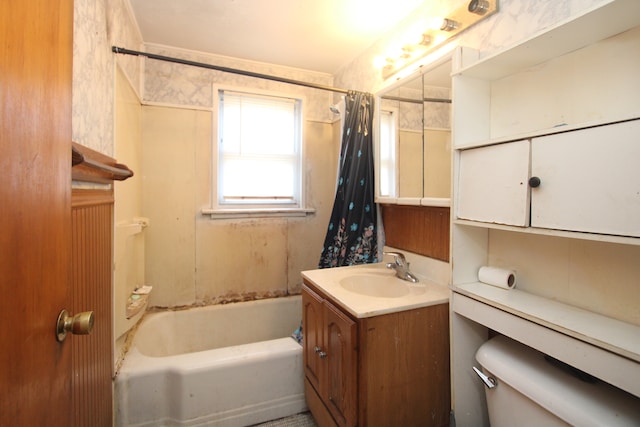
(361, 306)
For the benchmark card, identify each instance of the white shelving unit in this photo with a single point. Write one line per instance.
(574, 280)
(616, 342)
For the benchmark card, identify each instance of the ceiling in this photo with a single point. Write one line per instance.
(320, 35)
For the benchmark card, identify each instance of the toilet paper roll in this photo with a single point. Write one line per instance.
(499, 277)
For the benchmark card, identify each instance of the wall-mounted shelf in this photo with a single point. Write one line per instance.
(635, 115)
(567, 95)
(550, 232)
(592, 343)
(565, 37)
(601, 331)
(537, 86)
(92, 166)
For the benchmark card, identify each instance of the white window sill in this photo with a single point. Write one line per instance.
(257, 213)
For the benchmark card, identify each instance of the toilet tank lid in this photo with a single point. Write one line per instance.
(575, 401)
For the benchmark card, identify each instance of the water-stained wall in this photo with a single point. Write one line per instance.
(191, 258)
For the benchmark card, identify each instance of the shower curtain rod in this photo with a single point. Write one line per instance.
(124, 51)
(121, 50)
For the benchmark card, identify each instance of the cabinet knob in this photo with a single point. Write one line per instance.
(534, 182)
(317, 349)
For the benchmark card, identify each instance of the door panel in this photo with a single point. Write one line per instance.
(312, 324)
(342, 364)
(493, 184)
(35, 209)
(590, 180)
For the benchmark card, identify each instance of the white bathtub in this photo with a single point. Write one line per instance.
(222, 365)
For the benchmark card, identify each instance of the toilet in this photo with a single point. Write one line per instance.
(531, 390)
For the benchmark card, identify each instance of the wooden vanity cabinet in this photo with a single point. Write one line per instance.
(386, 370)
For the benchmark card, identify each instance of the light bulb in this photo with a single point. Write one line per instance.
(448, 24)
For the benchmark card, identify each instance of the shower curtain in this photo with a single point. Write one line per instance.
(352, 235)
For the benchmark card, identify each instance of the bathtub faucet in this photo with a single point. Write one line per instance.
(401, 266)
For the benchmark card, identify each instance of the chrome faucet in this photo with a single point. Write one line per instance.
(401, 266)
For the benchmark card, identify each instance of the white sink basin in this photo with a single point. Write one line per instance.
(369, 290)
(380, 285)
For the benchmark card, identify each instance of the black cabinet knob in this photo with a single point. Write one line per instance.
(534, 182)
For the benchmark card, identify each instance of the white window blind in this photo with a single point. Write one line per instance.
(259, 150)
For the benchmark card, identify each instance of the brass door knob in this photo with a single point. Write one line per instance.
(80, 324)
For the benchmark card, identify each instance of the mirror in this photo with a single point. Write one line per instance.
(414, 138)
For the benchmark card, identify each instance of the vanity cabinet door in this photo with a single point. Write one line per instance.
(340, 381)
(330, 359)
(313, 326)
(493, 184)
(589, 180)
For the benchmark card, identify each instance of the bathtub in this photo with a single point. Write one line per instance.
(221, 365)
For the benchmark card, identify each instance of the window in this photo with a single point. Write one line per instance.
(387, 153)
(258, 154)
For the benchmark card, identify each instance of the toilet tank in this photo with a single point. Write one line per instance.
(532, 390)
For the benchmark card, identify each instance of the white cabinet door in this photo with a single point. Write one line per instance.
(590, 180)
(493, 184)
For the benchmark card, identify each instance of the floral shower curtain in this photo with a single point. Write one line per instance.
(352, 234)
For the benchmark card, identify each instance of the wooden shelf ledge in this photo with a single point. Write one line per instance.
(92, 166)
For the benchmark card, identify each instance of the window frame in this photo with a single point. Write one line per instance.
(220, 209)
(393, 160)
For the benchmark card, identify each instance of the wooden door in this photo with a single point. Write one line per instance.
(339, 382)
(35, 212)
(590, 180)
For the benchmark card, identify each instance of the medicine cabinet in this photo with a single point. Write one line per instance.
(413, 137)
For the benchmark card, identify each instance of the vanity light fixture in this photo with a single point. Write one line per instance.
(449, 25)
(479, 7)
(456, 21)
(406, 52)
(426, 40)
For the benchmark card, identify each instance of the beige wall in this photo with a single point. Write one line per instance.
(128, 257)
(192, 259)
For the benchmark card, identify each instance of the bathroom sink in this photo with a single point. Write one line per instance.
(369, 290)
(379, 285)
